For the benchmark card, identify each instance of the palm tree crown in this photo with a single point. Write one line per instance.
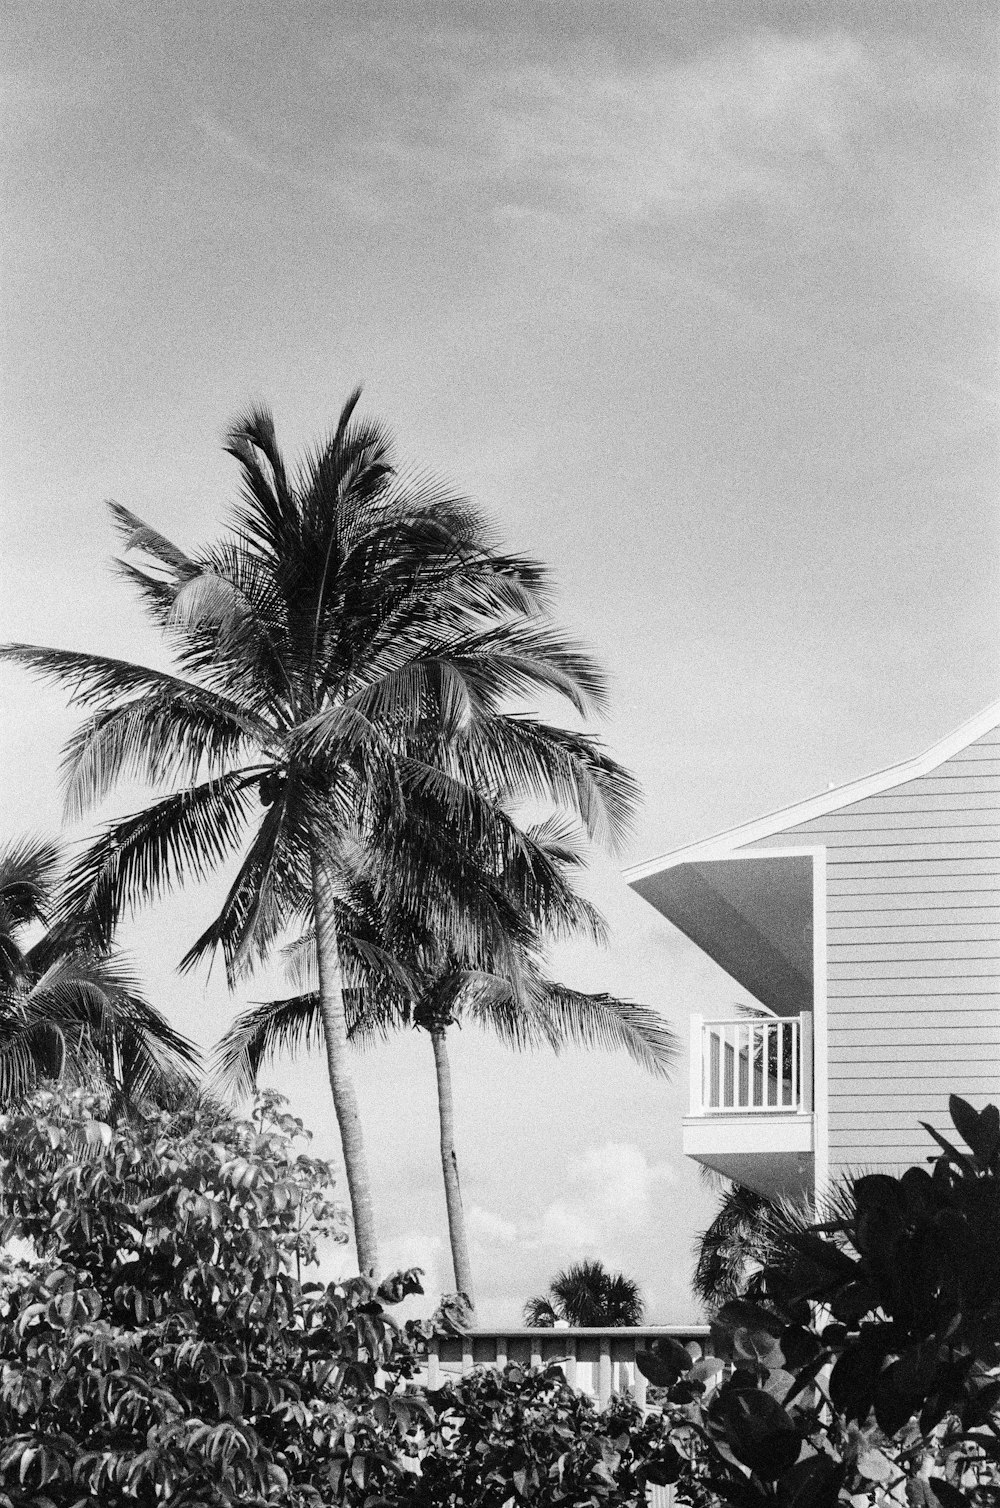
(488, 968)
(68, 1011)
(586, 1294)
(352, 646)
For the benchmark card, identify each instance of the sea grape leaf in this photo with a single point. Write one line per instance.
(812, 1483)
(663, 1361)
(760, 1432)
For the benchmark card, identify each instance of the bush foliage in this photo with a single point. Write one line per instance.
(524, 1436)
(866, 1355)
(160, 1345)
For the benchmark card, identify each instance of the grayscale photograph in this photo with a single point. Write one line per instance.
(500, 754)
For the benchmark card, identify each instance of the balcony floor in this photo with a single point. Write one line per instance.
(767, 1151)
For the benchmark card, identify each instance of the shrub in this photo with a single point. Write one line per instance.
(525, 1437)
(159, 1343)
(866, 1354)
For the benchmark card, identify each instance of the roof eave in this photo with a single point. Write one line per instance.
(722, 843)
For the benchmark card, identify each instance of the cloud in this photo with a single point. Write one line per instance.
(611, 1191)
(312, 178)
(487, 1228)
(822, 139)
(765, 117)
(419, 1248)
(612, 1188)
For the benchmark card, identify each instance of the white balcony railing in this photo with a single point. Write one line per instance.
(751, 1066)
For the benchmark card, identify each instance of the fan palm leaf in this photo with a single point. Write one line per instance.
(587, 1295)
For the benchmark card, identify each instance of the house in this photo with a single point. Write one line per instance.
(865, 922)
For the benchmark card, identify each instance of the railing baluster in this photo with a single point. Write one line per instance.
(743, 1060)
(752, 1060)
(638, 1384)
(604, 1373)
(773, 1053)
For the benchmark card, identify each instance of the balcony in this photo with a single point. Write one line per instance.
(751, 1113)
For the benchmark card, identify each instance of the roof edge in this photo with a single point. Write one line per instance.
(724, 842)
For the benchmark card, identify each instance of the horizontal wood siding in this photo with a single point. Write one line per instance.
(913, 960)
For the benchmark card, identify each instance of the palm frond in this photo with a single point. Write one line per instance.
(272, 888)
(269, 515)
(522, 758)
(539, 1313)
(169, 736)
(520, 658)
(231, 625)
(338, 735)
(95, 679)
(447, 596)
(558, 837)
(143, 856)
(136, 534)
(299, 962)
(32, 1050)
(507, 1006)
(603, 1021)
(98, 997)
(588, 1295)
(736, 1240)
(263, 1032)
(83, 1018)
(29, 871)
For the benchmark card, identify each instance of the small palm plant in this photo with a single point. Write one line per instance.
(587, 1295)
(482, 963)
(67, 1010)
(735, 1244)
(354, 642)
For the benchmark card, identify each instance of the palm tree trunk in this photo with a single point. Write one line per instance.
(345, 1101)
(449, 1167)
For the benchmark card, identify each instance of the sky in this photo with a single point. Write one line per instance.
(698, 301)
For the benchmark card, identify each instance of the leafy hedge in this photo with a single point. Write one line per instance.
(524, 1436)
(163, 1347)
(866, 1356)
(160, 1345)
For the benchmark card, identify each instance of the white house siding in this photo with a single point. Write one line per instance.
(913, 977)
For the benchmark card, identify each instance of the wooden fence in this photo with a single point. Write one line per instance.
(596, 1361)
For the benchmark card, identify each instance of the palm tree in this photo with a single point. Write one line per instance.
(351, 644)
(586, 1294)
(750, 1231)
(733, 1245)
(68, 1011)
(489, 970)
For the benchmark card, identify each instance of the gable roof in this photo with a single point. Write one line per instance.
(785, 817)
